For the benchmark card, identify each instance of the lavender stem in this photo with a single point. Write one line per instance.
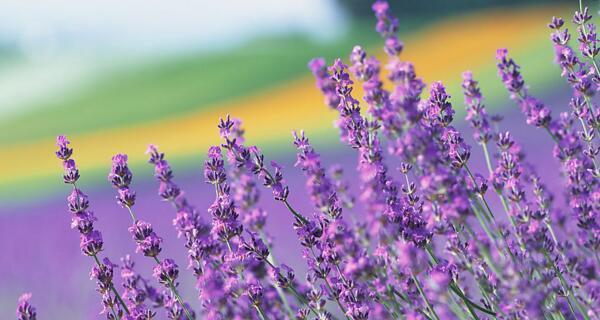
(271, 259)
(422, 293)
(112, 288)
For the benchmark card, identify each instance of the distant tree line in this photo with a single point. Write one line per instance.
(431, 8)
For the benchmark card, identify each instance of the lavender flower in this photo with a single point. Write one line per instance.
(476, 113)
(338, 243)
(166, 272)
(64, 152)
(25, 311)
(360, 134)
(175, 311)
(253, 161)
(200, 245)
(387, 26)
(438, 110)
(537, 114)
(103, 274)
(137, 290)
(577, 167)
(120, 176)
(255, 293)
(324, 83)
(147, 241)
(225, 216)
(91, 242)
(242, 254)
(584, 81)
(588, 44)
(244, 187)
(321, 188)
(162, 171)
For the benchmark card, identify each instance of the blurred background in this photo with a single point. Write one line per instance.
(115, 77)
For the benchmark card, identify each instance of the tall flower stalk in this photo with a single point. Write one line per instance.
(148, 243)
(91, 242)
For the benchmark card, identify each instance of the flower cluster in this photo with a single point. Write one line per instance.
(423, 238)
(324, 82)
(103, 274)
(137, 290)
(536, 112)
(187, 222)
(25, 311)
(120, 176)
(225, 217)
(149, 243)
(91, 242)
(476, 112)
(387, 26)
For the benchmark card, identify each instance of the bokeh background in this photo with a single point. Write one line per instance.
(115, 76)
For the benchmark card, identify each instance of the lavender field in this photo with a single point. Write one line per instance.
(401, 170)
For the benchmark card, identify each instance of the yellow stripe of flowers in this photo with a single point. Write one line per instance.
(439, 52)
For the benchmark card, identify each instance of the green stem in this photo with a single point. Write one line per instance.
(456, 308)
(552, 234)
(294, 212)
(490, 215)
(176, 294)
(400, 295)
(115, 314)
(470, 304)
(456, 289)
(554, 138)
(295, 292)
(584, 29)
(302, 300)
(171, 285)
(422, 293)
(337, 300)
(486, 254)
(388, 309)
(510, 218)
(287, 204)
(486, 228)
(488, 160)
(489, 211)
(260, 311)
(112, 287)
(565, 287)
(133, 218)
(271, 259)
(330, 288)
(392, 295)
(588, 142)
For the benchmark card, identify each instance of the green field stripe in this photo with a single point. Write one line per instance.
(176, 86)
